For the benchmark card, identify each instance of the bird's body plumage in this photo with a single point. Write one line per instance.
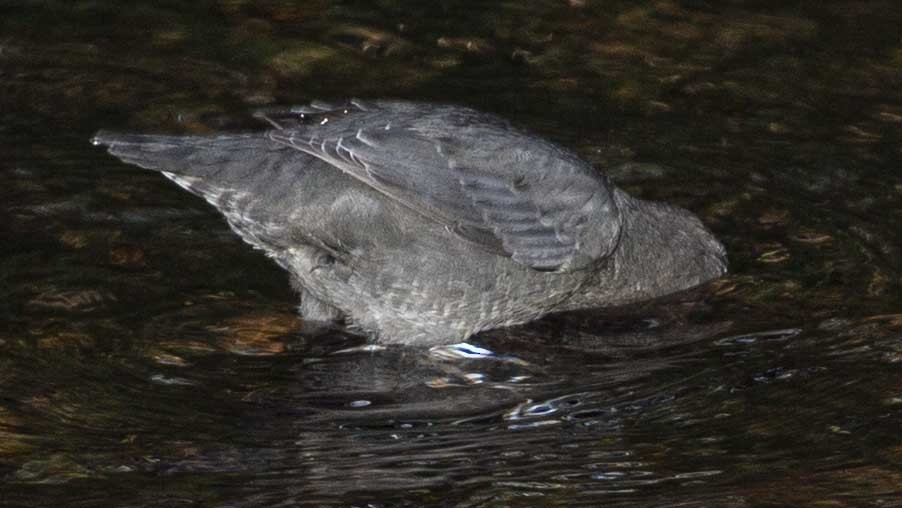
(424, 224)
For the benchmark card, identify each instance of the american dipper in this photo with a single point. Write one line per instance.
(423, 224)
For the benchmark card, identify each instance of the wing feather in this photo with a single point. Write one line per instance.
(482, 178)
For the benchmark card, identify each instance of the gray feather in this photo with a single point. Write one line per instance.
(469, 171)
(424, 224)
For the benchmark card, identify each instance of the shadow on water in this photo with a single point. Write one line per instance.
(149, 358)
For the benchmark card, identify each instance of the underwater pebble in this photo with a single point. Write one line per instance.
(256, 334)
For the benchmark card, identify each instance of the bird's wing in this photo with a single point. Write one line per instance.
(504, 189)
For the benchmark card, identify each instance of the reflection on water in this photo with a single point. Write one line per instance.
(150, 358)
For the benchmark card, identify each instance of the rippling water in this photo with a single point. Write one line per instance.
(150, 358)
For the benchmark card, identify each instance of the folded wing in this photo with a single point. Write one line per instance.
(508, 191)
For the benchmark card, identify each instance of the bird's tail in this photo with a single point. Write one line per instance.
(198, 156)
(206, 165)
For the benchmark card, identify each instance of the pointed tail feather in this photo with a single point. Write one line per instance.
(198, 156)
(216, 168)
(253, 181)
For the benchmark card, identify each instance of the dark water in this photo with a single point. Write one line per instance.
(150, 358)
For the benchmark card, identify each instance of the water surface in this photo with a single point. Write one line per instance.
(148, 357)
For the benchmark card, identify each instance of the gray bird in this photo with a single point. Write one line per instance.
(424, 224)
